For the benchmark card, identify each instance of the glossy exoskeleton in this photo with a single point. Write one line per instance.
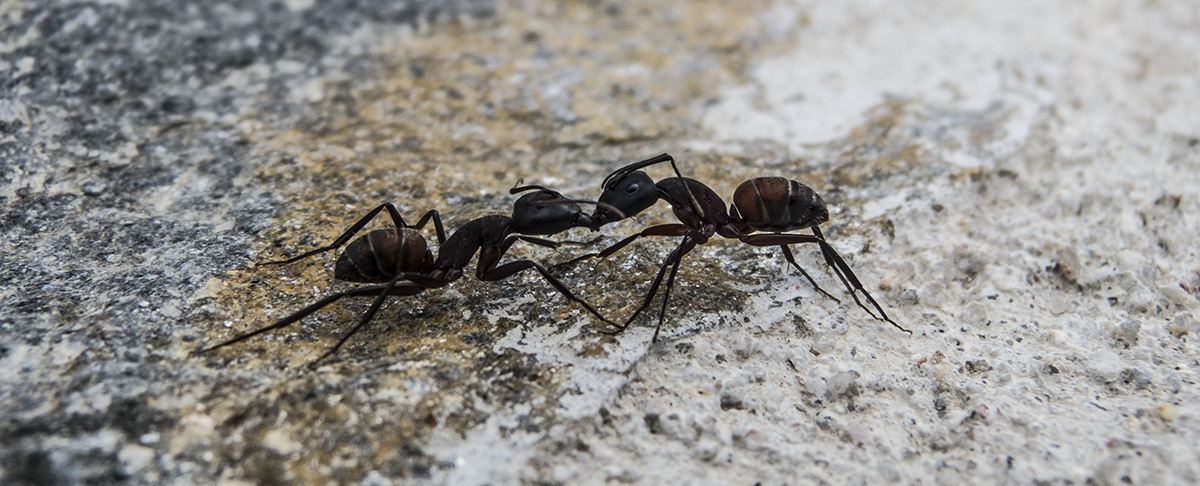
(398, 258)
(763, 212)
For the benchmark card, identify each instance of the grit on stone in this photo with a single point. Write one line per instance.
(1018, 184)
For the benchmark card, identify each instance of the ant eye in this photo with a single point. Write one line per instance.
(632, 188)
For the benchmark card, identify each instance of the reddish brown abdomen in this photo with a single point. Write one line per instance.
(382, 254)
(776, 204)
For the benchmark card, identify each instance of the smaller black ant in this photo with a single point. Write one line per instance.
(770, 205)
(399, 257)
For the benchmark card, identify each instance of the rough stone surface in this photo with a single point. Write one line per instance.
(1018, 184)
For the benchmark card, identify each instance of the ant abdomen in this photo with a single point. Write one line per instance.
(382, 254)
(775, 204)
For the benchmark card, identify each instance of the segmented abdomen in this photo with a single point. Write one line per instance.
(776, 204)
(380, 255)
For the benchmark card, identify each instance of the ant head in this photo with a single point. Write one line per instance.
(629, 193)
(546, 212)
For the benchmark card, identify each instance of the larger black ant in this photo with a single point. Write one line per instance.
(399, 257)
(772, 205)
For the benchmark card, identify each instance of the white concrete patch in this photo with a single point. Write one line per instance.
(854, 56)
(1050, 303)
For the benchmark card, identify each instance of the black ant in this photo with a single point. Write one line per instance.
(399, 258)
(772, 205)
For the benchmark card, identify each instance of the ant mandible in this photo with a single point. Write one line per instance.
(399, 257)
(769, 206)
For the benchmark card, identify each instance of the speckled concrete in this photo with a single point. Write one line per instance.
(1018, 184)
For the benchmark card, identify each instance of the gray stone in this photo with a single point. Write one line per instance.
(1015, 183)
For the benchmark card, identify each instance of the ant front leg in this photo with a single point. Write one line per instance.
(833, 259)
(672, 261)
(688, 244)
(489, 272)
(660, 230)
(358, 226)
(553, 244)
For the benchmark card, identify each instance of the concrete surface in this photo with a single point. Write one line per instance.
(1018, 184)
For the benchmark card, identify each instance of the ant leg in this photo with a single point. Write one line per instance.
(662, 315)
(489, 257)
(555, 244)
(833, 259)
(305, 312)
(432, 214)
(603, 253)
(388, 289)
(851, 283)
(787, 255)
(853, 280)
(341, 240)
(660, 230)
(510, 269)
(783, 239)
(828, 261)
(672, 259)
(848, 278)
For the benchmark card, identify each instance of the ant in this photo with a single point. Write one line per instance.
(771, 205)
(399, 259)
